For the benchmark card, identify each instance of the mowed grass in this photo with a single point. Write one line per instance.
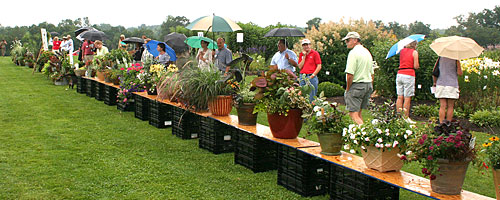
(58, 144)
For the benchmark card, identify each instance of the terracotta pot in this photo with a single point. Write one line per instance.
(382, 160)
(331, 143)
(285, 127)
(245, 114)
(100, 76)
(452, 177)
(221, 106)
(496, 180)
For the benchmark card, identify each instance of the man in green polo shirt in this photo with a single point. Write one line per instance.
(359, 77)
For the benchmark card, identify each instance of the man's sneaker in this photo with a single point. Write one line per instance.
(410, 121)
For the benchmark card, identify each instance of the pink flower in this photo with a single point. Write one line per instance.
(421, 141)
(137, 64)
(429, 158)
(124, 100)
(424, 136)
(459, 144)
(122, 68)
(431, 148)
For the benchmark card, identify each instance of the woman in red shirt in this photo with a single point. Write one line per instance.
(56, 44)
(405, 80)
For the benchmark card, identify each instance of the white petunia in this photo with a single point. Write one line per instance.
(363, 147)
(355, 142)
(367, 139)
(484, 88)
(363, 133)
(387, 134)
(406, 137)
(347, 147)
(395, 144)
(380, 140)
(485, 77)
(352, 151)
(318, 114)
(325, 102)
(387, 130)
(351, 126)
(378, 145)
(388, 145)
(344, 132)
(352, 136)
(375, 121)
(409, 132)
(408, 152)
(317, 108)
(379, 131)
(334, 103)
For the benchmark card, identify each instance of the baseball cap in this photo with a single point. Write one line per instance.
(306, 41)
(351, 35)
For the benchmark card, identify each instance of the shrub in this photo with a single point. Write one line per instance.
(330, 89)
(426, 110)
(486, 118)
(493, 54)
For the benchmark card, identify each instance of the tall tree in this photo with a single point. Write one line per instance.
(313, 22)
(483, 27)
(418, 27)
(172, 22)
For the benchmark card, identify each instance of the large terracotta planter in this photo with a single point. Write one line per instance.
(331, 143)
(100, 76)
(452, 177)
(496, 180)
(382, 161)
(285, 127)
(245, 114)
(221, 106)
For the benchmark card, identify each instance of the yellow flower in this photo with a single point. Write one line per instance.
(486, 144)
(494, 138)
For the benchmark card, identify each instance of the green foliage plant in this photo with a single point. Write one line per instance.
(331, 89)
(486, 118)
(424, 110)
(326, 117)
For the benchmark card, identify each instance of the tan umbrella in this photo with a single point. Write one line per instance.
(456, 47)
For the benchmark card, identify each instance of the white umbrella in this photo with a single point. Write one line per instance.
(456, 47)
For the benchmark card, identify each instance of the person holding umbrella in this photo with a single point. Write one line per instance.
(204, 55)
(163, 57)
(447, 86)
(284, 58)
(405, 79)
(121, 44)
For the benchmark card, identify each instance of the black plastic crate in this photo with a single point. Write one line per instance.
(348, 184)
(141, 107)
(125, 107)
(160, 114)
(185, 124)
(216, 136)
(81, 85)
(255, 153)
(110, 94)
(303, 187)
(90, 87)
(302, 173)
(99, 91)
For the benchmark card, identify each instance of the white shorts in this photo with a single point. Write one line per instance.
(446, 92)
(405, 85)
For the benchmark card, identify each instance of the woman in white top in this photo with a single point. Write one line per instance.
(204, 55)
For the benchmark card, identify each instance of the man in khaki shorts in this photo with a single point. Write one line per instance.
(359, 77)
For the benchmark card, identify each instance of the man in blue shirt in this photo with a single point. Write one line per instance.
(284, 58)
(223, 56)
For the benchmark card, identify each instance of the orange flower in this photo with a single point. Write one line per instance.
(494, 138)
(486, 144)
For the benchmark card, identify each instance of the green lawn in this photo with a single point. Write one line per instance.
(58, 144)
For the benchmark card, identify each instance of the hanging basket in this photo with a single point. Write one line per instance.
(221, 105)
(285, 127)
(451, 178)
(382, 160)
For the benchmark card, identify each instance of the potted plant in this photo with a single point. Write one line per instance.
(101, 66)
(490, 158)
(381, 140)
(115, 76)
(328, 122)
(129, 83)
(445, 152)
(245, 103)
(279, 94)
(208, 88)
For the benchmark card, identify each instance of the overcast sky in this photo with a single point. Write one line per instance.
(437, 13)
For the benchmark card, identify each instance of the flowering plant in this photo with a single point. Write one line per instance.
(387, 131)
(129, 82)
(448, 141)
(278, 92)
(491, 152)
(325, 118)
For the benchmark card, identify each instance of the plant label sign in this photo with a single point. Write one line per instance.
(239, 37)
(200, 34)
(168, 123)
(327, 72)
(227, 137)
(472, 142)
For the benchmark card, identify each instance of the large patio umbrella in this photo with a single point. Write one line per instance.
(176, 41)
(93, 35)
(213, 24)
(151, 47)
(284, 32)
(396, 48)
(456, 47)
(195, 42)
(83, 29)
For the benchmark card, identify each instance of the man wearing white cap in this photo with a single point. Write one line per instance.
(309, 65)
(359, 77)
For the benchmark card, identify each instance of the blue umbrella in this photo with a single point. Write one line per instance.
(151, 46)
(396, 48)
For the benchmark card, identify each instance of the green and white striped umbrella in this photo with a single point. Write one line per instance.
(214, 24)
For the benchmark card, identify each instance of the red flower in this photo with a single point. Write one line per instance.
(429, 157)
(421, 141)
(424, 170)
(433, 177)
(424, 136)
(431, 148)
(403, 158)
(122, 68)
